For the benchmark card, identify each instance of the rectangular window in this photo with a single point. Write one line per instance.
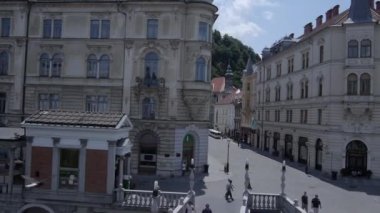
(5, 27)
(277, 115)
(303, 116)
(106, 26)
(47, 28)
(96, 103)
(69, 169)
(94, 31)
(267, 96)
(3, 99)
(203, 31)
(52, 28)
(259, 96)
(57, 28)
(152, 28)
(248, 86)
(319, 116)
(48, 101)
(290, 65)
(267, 115)
(321, 54)
(305, 60)
(289, 116)
(278, 71)
(269, 73)
(320, 88)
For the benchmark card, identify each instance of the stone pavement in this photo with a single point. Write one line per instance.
(342, 196)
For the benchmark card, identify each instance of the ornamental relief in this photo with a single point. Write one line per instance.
(51, 47)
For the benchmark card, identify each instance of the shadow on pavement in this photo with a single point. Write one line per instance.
(356, 184)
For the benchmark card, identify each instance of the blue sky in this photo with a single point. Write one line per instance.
(259, 23)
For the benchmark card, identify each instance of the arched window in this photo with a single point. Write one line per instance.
(352, 84)
(148, 108)
(4, 63)
(151, 69)
(200, 69)
(92, 66)
(56, 65)
(353, 48)
(365, 84)
(365, 48)
(44, 65)
(104, 66)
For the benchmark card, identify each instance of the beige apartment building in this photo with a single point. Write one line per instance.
(317, 94)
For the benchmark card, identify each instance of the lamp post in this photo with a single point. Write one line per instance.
(228, 156)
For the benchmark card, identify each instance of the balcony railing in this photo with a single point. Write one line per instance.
(260, 202)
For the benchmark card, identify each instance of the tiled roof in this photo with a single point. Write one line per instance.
(218, 84)
(77, 119)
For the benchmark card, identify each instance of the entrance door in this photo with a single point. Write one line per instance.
(188, 150)
(356, 156)
(148, 153)
(289, 147)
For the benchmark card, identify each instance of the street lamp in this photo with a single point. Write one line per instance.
(227, 168)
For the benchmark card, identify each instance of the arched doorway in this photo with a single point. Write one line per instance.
(188, 146)
(302, 150)
(356, 156)
(35, 208)
(148, 144)
(318, 154)
(266, 141)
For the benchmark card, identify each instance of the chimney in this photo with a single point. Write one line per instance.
(335, 11)
(319, 21)
(371, 3)
(328, 15)
(378, 6)
(308, 28)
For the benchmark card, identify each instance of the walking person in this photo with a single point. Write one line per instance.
(229, 189)
(316, 203)
(305, 201)
(207, 209)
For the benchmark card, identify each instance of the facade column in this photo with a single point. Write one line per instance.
(111, 166)
(28, 155)
(82, 165)
(55, 165)
(11, 153)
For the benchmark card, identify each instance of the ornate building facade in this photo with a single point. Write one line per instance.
(317, 97)
(148, 59)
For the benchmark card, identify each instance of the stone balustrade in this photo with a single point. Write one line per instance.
(261, 202)
(144, 199)
(186, 205)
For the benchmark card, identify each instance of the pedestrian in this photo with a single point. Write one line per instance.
(316, 203)
(207, 209)
(183, 168)
(229, 189)
(305, 201)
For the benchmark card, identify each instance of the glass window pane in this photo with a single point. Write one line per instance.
(92, 66)
(102, 104)
(69, 168)
(3, 99)
(4, 62)
(202, 31)
(5, 27)
(56, 65)
(44, 65)
(47, 28)
(91, 103)
(57, 28)
(104, 66)
(152, 28)
(54, 101)
(94, 29)
(44, 101)
(106, 25)
(200, 69)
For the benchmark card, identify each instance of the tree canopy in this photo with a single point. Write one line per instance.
(227, 49)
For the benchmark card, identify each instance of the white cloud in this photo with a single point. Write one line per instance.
(268, 15)
(235, 17)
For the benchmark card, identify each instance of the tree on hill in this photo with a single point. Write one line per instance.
(227, 49)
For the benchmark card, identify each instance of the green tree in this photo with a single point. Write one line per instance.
(227, 49)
